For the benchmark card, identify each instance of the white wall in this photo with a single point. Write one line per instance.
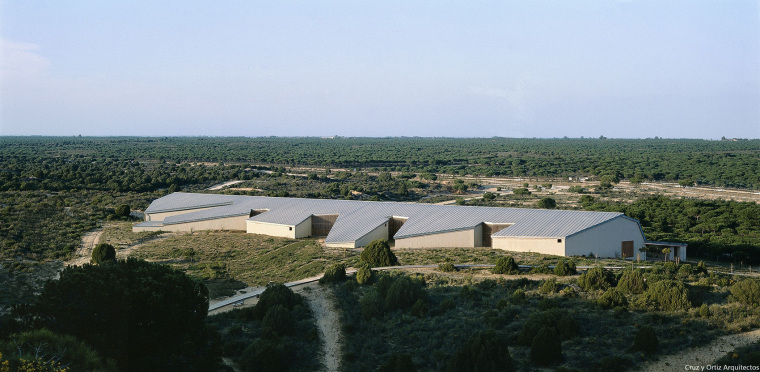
(271, 229)
(606, 239)
(228, 223)
(454, 239)
(303, 229)
(380, 232)
(162, 215)
(535, 245)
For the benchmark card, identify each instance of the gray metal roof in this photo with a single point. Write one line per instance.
(358, 218)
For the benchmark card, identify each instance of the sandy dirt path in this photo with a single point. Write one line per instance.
(322, 304)
(84, 252)
(702, 356)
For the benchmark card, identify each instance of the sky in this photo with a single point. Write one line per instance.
(621, 69)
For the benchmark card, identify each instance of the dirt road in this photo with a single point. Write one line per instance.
(702, 356)
(84, 252)
(322, 305)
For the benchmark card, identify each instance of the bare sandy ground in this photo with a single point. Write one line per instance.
(84, 252)
(322, 304)
(702, 356)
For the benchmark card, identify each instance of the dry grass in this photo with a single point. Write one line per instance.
(253, 259)
(119, 234)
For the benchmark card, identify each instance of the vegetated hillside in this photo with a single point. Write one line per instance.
(445, 318)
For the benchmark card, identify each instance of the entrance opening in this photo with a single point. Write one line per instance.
(626, 249)
(394, 224)
(321, 225)
(490, 229)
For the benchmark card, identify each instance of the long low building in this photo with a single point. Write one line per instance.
(352, 224)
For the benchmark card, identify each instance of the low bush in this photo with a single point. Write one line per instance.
(540, 269)
(668, 295)
(275, 294)
(506, 265)
(486, 351)
(334, 274)
(612, 298)
(746, 291)
(102, 253)
(549, 286)
(403, 293)
(398, 363)
(371, 304)
(565, 325)
(597, 278)
(565, 267)
(546, 348)
(646, 340)
(701, 268)
(446, 267)
(518, 296)
(277, 321)
(364, 275)
(419, 309)
(378, 254)
(632, 281)
(685, 270)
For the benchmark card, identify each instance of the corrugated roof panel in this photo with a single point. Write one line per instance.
(357, 218)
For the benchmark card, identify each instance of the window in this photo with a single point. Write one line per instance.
(290, 228)
(559, 240)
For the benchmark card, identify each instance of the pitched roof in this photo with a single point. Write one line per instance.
(358, 218)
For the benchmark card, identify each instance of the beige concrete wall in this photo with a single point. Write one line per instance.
(605, 240)
(454, 239)
(161, 216)
(341, 245)
(380, 232)
(228, 223)
(143, 228)
(303, 229)
(535, 245)
(271, 229)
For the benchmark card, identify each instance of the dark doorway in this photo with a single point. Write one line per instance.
(626, 249)
(321, 225)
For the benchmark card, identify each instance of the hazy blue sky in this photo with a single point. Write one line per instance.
(381, 68)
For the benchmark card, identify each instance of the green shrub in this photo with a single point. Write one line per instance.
(506, 265)
(612, 298)
(685, 270)
(371, 304)
(378, 254)
(398, 363)
(419, 309)
(383, 284)
(701, 268)
(486, 351)
(122, 210)
(540, 269)
(275, 294)
(518, 296)
(547, 203)
(549, 286)
(704, 311)
(403, 293)
(632, 281)
(668, 295)
(64, 350)
(446, 267)
(596, 278)
(565, 325)
(564, 267)
(264, 355)
(334, 274)
(277, 321)
(546, 348)
(364, 275)
(646, 340)
(102, 253)
(746, 291)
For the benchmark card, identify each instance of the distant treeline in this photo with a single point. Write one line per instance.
(146, 164)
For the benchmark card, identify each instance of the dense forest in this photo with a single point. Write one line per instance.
(144, 164)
